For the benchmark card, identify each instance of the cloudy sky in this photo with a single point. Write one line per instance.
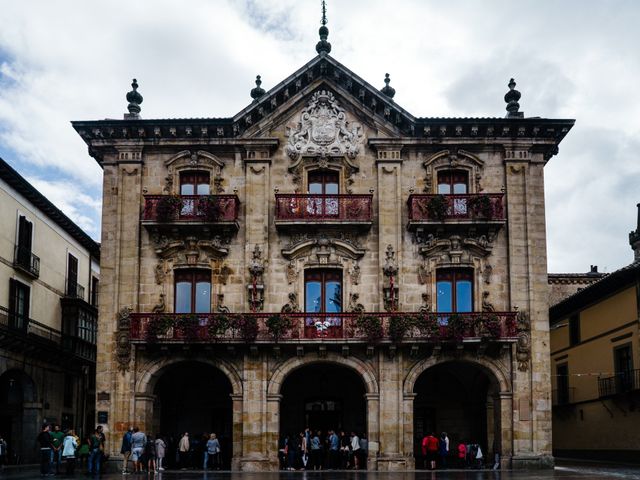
(74, 60)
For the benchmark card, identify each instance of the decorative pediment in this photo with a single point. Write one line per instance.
(323, 130)
(323, 249)
(458, 159)
(456, 249)
(193, 160)
(190, 251)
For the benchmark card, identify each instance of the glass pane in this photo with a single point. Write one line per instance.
(313, 297)
(183, 297)
(331, 189)
(203, 189)
(460, 188)
(464, 300)
(333, 297)
(315, 188)
(445, 298)
(187, 189)
(444, 188)
(203, 297)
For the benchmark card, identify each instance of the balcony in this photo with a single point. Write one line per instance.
(29, 337)
(620, 383)
(369, 328)
(25, 261)
(456, 211)
(295, 210)
(74, 290)
(219, 211)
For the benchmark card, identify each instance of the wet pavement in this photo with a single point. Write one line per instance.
(564, 470)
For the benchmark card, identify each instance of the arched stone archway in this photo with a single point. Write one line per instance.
(364, 371)
(213, 383)
(483, 385)
(19, 414)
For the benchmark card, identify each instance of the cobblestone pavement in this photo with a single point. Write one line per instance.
(565, 471)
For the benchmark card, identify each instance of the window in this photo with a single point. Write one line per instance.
(453, 182)
(23, 253)
(562, 376)
(72, 277)
(94, 291)
(454, 290)
(623, 362)
(194, 183)
(574, 329)
(18, 304)
(323, 183)
(323, 291)
(87, 328)
(192, 291)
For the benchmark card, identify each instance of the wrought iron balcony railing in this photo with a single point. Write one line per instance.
(191, 208)
(301, 208)
(21, 324)
(622, 382)
(479, 207)
(74, 290)
(297, 327)
(26, 261)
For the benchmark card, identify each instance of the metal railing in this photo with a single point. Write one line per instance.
(323, 208)
(191, 208)
(364, 327)
(437, 208)
(622, 382)
(26, 260)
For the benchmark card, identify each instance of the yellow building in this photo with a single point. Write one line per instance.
(594, 355)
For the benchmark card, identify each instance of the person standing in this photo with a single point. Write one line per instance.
(150, 455)
(161, 449)
(334, 450)
(443, 449)
(125, 450)
(462, 455)
(138, 442)
(44, 443)
(183, 451)
(96, 447)
(315, 452)
(69, 447)
(213, 449)
(57, 436)
(3, 453)
(355, 450)
(364, 450)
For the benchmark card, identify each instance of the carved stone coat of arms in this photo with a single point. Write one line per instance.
(323, 130)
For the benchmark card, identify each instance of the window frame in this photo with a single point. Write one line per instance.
(324, 178)
(198, 178)
(451, 182)
(456, 275)
(197, 275)
(324, 273)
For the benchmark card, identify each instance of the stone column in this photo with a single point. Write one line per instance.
(273, 428)
(236, 430)
(373, 429)
(143, 412)
(407, 430)
(254, 417)
(504, 412)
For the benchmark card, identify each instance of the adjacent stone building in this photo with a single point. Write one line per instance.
(49, 276)
(594, 355)
(324, 258)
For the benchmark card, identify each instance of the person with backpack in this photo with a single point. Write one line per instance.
(125, 450)
(430, 450)
(96, 447)
(69, 447)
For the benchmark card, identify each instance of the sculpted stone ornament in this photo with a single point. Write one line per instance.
(523, 345)
(123, 345)
(354, 305)
(292, 306)
(323, 130)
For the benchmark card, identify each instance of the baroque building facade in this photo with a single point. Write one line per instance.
(49, 274)
(326, 259)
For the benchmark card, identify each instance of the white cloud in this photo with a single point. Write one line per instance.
(70, 60)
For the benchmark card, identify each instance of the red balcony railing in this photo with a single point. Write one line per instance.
(437, 208)
(324, 208)
(191, 208)
(364, 327)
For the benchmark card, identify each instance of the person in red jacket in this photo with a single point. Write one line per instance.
(430, 450)
(462, 455)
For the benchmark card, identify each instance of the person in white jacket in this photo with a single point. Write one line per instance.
(69, 447)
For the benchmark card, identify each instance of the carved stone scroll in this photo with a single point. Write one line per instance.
(123, 344)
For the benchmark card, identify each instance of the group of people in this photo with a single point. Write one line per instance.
(437, 453)
(312, 450)
(148, 454)
(59, 448)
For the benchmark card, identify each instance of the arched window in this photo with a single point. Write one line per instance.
(454, 290)
(192, 291)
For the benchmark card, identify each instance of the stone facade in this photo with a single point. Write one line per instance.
(324, 118)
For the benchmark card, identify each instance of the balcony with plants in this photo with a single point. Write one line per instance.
(338, 328)
(217, 211)
(456, 210)
(294, 210)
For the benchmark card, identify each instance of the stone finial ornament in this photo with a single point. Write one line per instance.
(135, 99)
(512, 97)
(634, 239)
(258, 91)
(388, 90)
(323, 47)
